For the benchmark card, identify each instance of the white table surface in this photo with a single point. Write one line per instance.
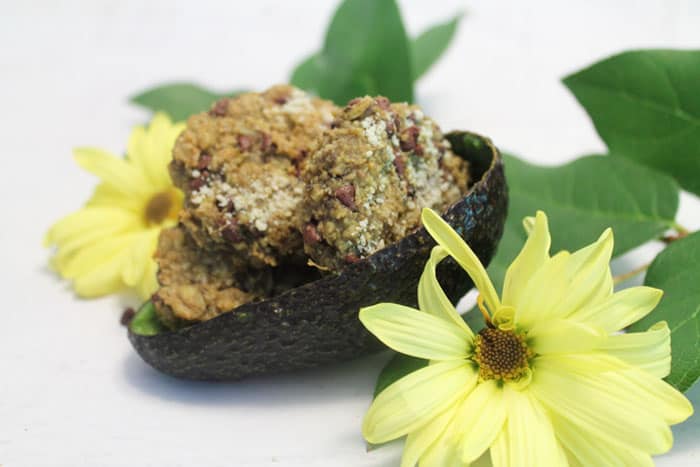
(72, 390)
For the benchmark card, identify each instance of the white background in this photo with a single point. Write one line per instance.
(72, 390)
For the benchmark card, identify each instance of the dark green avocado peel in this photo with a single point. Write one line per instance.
(317, 323)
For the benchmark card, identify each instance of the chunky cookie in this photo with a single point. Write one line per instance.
(238, 166)
(371, 175)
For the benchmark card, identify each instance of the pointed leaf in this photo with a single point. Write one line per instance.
(308, 74)
(429, 46)
(179, 100)
(645, 105)
(676, 270)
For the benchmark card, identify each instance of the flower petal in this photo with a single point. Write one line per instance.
(431, 297)
(544, 290)
(530, 434)
(590, 279)
(102, 279)
(532, 256)
(479, 420)
(418, 442)
(90, 256)
(140, 254)
(649, 393)
(150, 148)
(415, 333)
(106, 195)
(114, 171)
(445, 236)
(417, 398)
(620, 309)
(563, 336)
(646, 394)
(587, 449)
(593, 403)
(649, 351)
(442, 453)
(584, 363)
(148, 284)
(529, 224)
(567, 282)
(500, 450)
(88, 224)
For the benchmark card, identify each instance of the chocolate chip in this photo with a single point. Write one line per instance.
(311, 235)
(281, 100)
(346, 195)
(267, 145)
(196, 183)
(228, 207)
(400, 165)
(382, 102)
(244, 142)
(335, 124)
(204, 160)
(419, 150)
(298, 163)
(351, 258)
(232, 232)
(409, 138)
(157, 300)
(220, 108)
(127, 316)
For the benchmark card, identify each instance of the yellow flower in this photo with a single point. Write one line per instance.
(549, 382)
(109, 244)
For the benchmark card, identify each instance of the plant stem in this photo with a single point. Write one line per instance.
(682, 231)
(628, 275)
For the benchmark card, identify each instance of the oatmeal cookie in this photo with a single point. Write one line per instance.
(238, 166)
(371, 175)
(195, 285)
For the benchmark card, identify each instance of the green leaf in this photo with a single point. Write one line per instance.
(583, 198)
(431, 44)
(676, 270)
(398, 367)
(308, 74)
(179, 100)
(646, 106)
(366, 51)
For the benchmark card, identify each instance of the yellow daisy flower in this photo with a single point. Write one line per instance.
(549, 382)
(109, 244)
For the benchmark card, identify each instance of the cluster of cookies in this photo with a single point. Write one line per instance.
(281, 187)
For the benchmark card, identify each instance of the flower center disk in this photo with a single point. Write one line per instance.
(160, 207)
(501, 354)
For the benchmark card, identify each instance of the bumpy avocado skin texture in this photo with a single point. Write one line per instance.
(317, 323)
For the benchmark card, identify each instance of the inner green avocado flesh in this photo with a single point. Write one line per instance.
(146, 322)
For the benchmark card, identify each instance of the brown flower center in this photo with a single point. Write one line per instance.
(161, 206)
(501, 354)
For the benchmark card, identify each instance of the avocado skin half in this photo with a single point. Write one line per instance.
(317, 323)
